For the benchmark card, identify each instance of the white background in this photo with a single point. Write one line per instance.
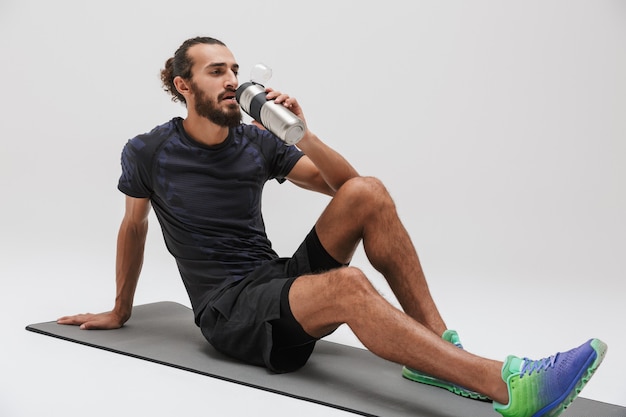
(498, 127)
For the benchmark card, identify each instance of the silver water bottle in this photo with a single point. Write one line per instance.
(276, 118)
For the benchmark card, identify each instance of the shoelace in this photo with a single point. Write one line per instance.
(531, 366)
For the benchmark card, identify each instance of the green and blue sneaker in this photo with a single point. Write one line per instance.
(417, 376)
(548, 386)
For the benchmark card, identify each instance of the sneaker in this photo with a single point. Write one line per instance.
(548, 386)
(417, 376)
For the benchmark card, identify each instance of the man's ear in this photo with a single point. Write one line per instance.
(182, 86)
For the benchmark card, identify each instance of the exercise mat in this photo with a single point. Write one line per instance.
(338, 376)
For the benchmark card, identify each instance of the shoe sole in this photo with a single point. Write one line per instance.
(584, 376)
(436, 382)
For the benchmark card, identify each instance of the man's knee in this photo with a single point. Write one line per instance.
(365, 192)
(364, 186)
(353, 286)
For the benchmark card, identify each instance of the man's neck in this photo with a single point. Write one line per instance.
(204, 131)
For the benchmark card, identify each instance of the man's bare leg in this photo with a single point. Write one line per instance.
(323, 302)
(363, 210)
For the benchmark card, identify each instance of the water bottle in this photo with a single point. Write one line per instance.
(276, 118)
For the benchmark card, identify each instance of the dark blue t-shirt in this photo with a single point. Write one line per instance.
(208, 199)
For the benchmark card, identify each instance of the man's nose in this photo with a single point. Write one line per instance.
(232, 81)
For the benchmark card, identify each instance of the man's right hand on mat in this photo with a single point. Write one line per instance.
(89, 321)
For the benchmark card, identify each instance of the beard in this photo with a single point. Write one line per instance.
(207, 107)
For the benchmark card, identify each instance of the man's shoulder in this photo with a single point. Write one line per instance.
(253, 133)
(267, 142)
(158, 133)
(152, 140)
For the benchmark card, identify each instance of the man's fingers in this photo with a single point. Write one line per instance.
(75, 320)
(88, 321)
(89, 325)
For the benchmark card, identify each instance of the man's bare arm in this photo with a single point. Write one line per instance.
(322, 168)
(131, 241)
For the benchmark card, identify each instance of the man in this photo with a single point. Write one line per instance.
(204, 176)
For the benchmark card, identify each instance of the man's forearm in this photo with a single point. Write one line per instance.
(130, 249)
(334, 168)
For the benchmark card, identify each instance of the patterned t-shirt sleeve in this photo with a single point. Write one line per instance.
(135, 179)
(283, 157)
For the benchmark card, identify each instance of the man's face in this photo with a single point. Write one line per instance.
(213, 84)
(206, 107)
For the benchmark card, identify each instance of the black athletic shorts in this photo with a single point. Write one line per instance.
(252, 321)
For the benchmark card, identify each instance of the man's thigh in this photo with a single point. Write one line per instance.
(253, 322)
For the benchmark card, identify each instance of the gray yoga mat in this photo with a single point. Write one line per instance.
(337, 376)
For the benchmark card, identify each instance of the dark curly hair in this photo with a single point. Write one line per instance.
(180, 65)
